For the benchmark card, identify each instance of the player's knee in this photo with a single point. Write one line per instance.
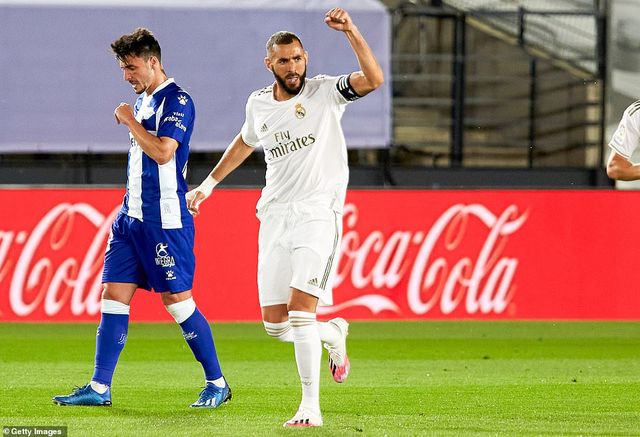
(280, 331)
(182, 310)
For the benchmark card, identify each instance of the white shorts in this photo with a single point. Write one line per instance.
(298, 247)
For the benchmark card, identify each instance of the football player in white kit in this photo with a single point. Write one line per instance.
(297, 123)
(623, 143)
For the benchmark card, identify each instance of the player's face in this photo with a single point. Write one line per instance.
(139, 72)
(288, 63)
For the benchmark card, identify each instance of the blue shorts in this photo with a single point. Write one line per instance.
(149, 256)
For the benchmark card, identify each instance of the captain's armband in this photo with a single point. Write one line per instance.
(345, 89)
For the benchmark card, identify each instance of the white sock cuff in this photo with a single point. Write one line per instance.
(276, 326)
(277, 329)
(301, 318)
(114, 307)
(181, 311)
(220, 382)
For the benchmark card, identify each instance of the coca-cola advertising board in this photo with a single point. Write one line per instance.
(473, 254)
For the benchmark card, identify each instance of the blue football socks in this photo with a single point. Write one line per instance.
(197, 332)
(110, 340)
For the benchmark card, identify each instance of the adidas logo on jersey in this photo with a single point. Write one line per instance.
(264, 128)
(313, 282)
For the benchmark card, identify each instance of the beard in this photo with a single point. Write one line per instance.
(282, 82)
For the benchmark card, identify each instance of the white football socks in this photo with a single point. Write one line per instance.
(329, 333)
(182, 310)
(113, 307)
(220, 382)
(308, 352)
(281, 331)
(99, 388)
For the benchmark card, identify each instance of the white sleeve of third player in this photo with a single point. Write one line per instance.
(627, 137)
(248, 132)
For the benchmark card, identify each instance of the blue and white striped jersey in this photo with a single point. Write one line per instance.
(156, 193)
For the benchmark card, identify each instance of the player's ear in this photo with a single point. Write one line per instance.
(267, 63)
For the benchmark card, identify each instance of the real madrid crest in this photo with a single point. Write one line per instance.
(300, 111)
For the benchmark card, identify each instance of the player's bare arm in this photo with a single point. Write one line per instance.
(160, 149)
(233, 156)
(370, 75)
(620, 168)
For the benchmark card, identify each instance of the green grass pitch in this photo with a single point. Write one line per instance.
(407, 378)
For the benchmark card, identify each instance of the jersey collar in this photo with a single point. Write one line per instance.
(163, 85)
(273, 97)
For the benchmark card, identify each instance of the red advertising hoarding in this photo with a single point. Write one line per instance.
(499, 254)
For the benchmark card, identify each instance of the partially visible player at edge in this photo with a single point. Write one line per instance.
(151, 241)
(297, 122)
(624, 142)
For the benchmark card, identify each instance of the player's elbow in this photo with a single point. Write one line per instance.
(618, 170)
(163, 158)
(371, 84)
(613, 171)
(619, 173)
(375, 81)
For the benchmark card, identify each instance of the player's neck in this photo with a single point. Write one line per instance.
(280, 94)
(162, 78)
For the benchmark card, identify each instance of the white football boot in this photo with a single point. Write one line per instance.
(338, 360)
(304, 418)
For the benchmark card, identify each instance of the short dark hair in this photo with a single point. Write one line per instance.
(140, 43)
(282, 37)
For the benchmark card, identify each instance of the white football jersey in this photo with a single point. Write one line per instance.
(627, 137)
(303, 142)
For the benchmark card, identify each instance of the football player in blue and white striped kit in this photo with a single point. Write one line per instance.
(151, 240)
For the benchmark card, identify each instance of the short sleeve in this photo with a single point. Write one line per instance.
(248, 132)
(178, 115)
(626, 137)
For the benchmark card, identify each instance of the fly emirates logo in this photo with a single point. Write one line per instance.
(286, 145)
